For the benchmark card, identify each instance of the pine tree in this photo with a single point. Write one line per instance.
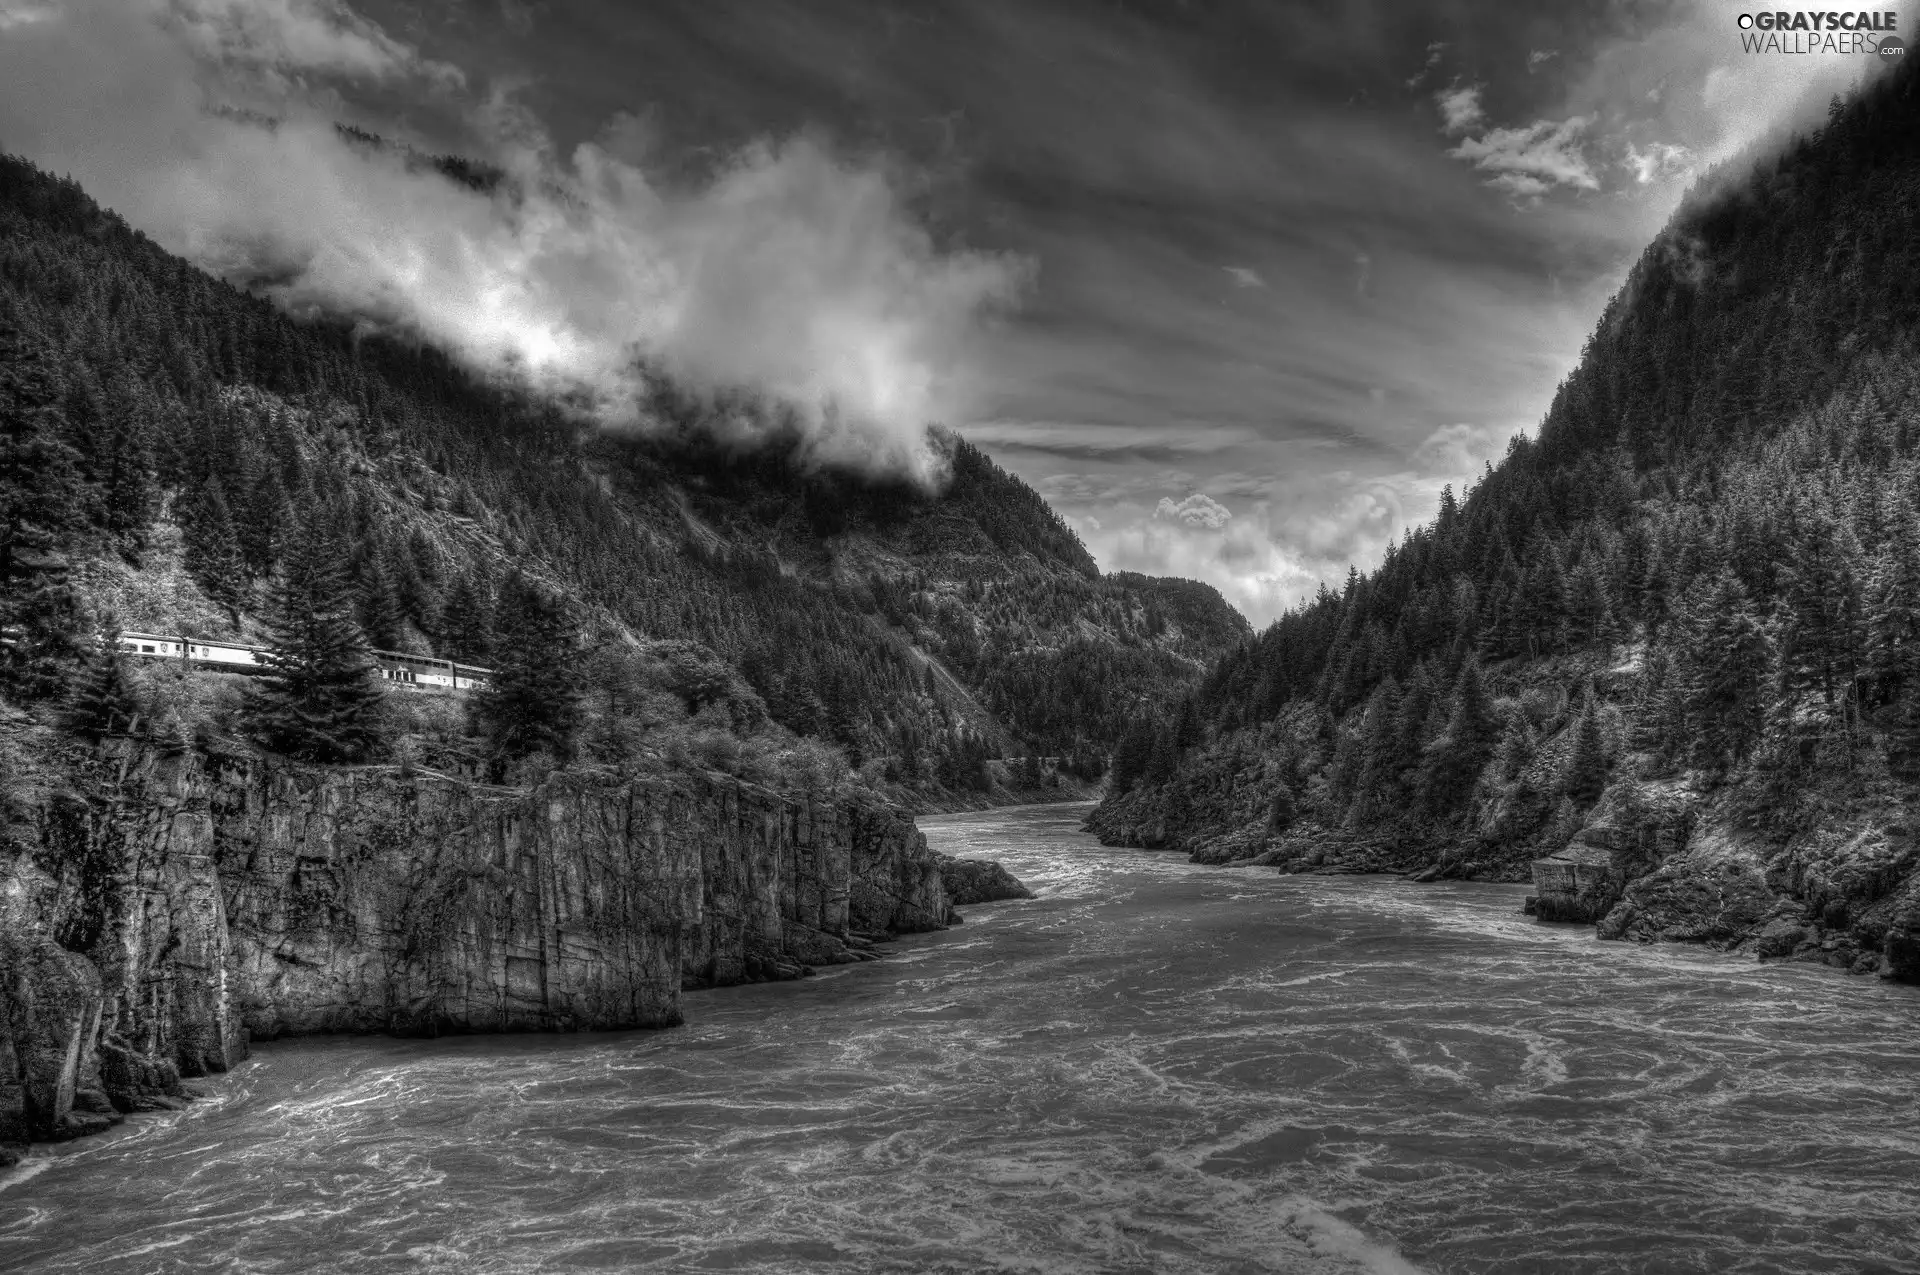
(1893, 613)
(212, 551)
(1515, 749)
(258, 527)
(1130, 755)
(1374, 788)
(1584, 774)
(1455, 760)
(466, 626)
(1660, 724)
(127, 488)
(1728, 668)
(1187, 732)
(412, 591)
(1544, 606)
(380, 617)
(320, 702)
(1417, 711)
(532, 701)
(105, 704)
(1821, 624)
(1163, 759)
(42, 498)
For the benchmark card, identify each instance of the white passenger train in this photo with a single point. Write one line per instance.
(408, 672)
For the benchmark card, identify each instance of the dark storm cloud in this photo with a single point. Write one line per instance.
(1254, 257)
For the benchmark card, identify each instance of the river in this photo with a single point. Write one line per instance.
(1152, 1067)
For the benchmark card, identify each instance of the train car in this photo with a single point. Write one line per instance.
(397, 669)
(426, 673)
(227, 655)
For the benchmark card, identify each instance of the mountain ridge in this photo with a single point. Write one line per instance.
(825, 593)
(1661, 659)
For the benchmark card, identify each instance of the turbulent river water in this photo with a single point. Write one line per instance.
(1151, 1067)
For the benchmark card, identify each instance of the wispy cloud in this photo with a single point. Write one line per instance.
(1435, 50)
(1095, 439)
(1460, 109)
(1655, 161)
(1532, 159)
(295, 38)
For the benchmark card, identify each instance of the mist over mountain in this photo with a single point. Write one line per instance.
(789, 286)
(918, 634)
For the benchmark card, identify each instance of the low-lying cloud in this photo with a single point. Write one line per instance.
(790, 286)
(1197, 510)
(1199, 538)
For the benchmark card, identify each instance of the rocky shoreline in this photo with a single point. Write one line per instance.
(192, 901)
(1658, 862)
(1653, 862)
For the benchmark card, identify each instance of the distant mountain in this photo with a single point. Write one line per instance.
(192, 425)
(1669, 653)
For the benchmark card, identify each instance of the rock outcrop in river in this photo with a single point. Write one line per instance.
(191, 901)
(970, 881)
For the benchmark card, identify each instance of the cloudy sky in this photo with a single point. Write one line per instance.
(1238, 286)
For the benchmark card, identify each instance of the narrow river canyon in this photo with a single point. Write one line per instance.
(1150, 1067)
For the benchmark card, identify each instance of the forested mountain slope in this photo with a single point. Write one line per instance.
(1671, 648)
(178, 435)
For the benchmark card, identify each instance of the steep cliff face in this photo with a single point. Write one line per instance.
(186, 903)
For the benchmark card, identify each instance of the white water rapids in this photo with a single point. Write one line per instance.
(1153, 1067)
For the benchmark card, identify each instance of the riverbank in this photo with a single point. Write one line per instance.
(197, 901)
(1153, 1066)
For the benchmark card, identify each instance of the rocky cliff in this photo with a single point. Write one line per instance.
(171, 906)
(1667, 862)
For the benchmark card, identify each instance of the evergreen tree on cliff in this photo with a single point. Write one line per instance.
(126, 485)
(1585, 774)
(1729, 658)
(533, 700)
(1379, 757)
(213, 550)
(1821, 625)
(42, 497)
(466, 622)
(1131, 754)
(258, 525)
(106, 704)
(1893, 612)
(1455, 760)
(321, 701)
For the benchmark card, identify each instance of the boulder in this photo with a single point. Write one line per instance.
(969, 881)
(1717, 891)
(1779, 938)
